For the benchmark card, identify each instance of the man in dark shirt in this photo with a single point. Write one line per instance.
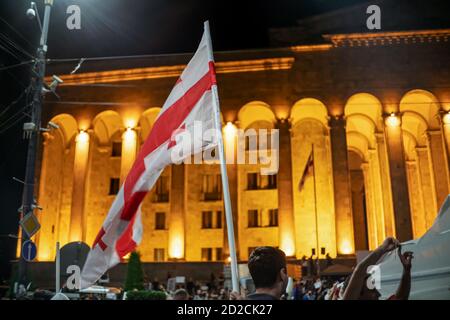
(267, 266)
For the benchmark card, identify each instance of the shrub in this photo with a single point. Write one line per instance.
(135, 277)
(146, 295)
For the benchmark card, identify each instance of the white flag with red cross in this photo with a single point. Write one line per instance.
(190, 101)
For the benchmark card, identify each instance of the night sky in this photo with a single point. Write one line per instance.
(114, 28)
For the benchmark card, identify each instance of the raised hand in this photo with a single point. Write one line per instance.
(405, 258)
(389, 244)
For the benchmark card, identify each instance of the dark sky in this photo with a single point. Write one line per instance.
(113, 28)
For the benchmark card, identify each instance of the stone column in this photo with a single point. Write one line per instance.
(342, 196)
(399, 183)
(385, 187)
(416, 196)
(376, 190)
(129, 144)
(445, 127)
(233, 186)
(426, 185)
(440, 165)
(80, 169)
(370, 207)
(177, 213)
(230, 144)
(286, 226)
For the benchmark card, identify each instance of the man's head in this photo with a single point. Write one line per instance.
(180, 294)
(267, 266)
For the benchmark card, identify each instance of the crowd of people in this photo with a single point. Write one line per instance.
(268, 269)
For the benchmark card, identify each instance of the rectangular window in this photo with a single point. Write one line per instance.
(207, 219)
(212, 187)
(114, 185)
(218, 219)
(252, 181)
(116, 149)
(162, 189)
(253, 218)
(160, 221)
(273, 217)
(256, 181)
(158, 254)
(206, 254)
(272, 181)
(218, 254)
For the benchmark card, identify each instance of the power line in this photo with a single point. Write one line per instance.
(10, 52)
(15, 45)
(21, 112)
(13, 123)
(14, 101)
(16, 31)
(16, 65)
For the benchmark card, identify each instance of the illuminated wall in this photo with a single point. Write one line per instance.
(304, 88)
(86, 156)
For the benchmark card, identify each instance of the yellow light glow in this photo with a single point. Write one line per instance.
(228, 259)
(229, 130)
(446, 118)
(130, 122)
(393, 120)
(84, 123)
(287, 245)
(176, 247)
(44, 254)
(346, 247)
(82, 137)
(129, 135)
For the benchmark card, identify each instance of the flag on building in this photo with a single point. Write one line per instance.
(191, 100)
(309, 169)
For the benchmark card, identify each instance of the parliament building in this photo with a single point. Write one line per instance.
(374, 105)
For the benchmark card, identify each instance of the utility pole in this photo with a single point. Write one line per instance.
(32, 130)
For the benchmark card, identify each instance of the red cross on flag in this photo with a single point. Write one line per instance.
(193, 99)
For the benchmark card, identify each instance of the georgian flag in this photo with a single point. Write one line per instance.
(190, 101)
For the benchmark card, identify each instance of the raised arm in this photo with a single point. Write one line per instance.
(405, 283)
(357, 282)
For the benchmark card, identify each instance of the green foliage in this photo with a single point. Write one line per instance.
(146, 295)
(135, 276)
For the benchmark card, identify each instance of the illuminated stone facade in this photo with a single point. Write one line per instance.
(373, 106)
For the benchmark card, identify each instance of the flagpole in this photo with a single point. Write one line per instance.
(315, 201)
(58, 269)
(223, 171)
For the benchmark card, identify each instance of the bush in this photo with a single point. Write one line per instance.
(146, 295)
(135, 276)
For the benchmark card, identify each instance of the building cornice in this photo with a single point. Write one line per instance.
(283, 63)
(388, 38)
(311, 48)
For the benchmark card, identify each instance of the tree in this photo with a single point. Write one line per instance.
(135, 276)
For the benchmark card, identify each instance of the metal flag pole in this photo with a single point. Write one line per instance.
(58, 269)
(223, 171)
